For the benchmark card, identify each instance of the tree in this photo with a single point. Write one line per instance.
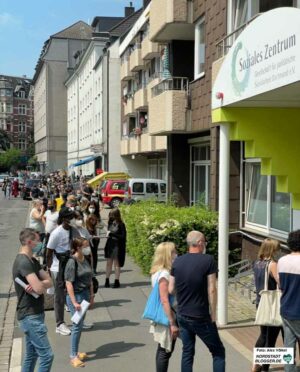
(4, 140)
(10, 158)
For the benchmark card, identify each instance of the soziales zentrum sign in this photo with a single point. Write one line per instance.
(264, 57)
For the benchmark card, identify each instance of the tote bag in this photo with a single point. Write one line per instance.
(154, 309)
(268, 311)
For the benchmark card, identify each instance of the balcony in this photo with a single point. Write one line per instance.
(143, 144)
(171, 20)
(149, 49)
(140, 99)
(131, 145)
(126, 74)
(135, 59)
(128, 105)
(168, 107)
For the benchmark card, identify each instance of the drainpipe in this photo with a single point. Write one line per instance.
(223, 224)
(107, 115)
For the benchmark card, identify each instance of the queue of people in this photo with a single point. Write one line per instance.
(71, 242)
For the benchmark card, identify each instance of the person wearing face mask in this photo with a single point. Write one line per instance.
(91, 225)
(78, 276)
(30, 310)
(58, 253)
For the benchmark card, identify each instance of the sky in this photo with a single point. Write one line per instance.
(26, 24)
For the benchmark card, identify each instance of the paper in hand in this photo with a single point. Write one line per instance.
(24, 285)
(76, 318)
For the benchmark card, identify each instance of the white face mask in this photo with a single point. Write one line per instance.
(72, 208)
(78, 223)
(86, 251)
(91, 210)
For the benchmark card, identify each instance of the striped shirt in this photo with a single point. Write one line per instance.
(289, 277)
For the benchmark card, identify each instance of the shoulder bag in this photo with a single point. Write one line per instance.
(154, 309)
(268, 311)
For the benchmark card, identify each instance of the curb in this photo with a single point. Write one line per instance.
(15, 362)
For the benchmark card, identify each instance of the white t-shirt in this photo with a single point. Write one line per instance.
(59, 241)
(160, 274)
(51, 221)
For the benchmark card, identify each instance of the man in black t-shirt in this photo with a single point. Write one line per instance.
(30, 306)
(193, 276)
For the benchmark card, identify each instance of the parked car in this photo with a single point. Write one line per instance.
(25, 191)
(113, 192)
(138, 189)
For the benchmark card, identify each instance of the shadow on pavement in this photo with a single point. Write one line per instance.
(113, 324)
(136, 284)
(110, 350)
(110, 303)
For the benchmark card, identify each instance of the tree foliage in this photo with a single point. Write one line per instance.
(10, 158)
(4, 140)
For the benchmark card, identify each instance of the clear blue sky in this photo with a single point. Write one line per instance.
(26, 24)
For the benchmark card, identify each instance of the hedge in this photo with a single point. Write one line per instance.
(149, 223)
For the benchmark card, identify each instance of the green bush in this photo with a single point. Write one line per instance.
(150, 223)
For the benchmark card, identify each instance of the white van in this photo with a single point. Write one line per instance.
(138, 189)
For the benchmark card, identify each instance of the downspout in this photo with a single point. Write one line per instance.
(223, 224)
(107, 114)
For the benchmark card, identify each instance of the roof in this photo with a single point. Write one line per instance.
(122, 27)
(79, 30)
(16, 83)
(105, 23)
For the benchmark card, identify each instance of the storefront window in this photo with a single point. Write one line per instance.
(280, 208)
(264, 206)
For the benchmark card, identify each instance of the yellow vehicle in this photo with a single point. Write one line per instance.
(96, 181)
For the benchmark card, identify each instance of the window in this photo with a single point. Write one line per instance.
(22, 109)
(200, 48)
(241, 11)
(2, 107)
(22, 144)
(264, 206)
(9, 108)
(22, 126)
(138, 187)
(200, 173)
(163, 188)
(118, 186)
(152, 188)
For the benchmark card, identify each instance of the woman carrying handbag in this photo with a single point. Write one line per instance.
(264, 266)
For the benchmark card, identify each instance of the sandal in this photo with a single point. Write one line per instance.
(77, 363)
(256, 368)
(82, 356)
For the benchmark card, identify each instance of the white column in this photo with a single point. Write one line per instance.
(224, 159)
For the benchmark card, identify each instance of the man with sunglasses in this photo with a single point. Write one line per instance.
(193, 277)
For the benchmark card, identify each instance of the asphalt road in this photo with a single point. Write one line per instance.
(13, 215)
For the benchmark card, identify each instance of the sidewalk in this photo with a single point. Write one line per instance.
(120, 340)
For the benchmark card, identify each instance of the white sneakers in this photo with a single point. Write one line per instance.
(63, 330)
(87, 325)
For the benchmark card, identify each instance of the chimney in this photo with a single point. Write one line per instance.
(146, 3)
(129, 10)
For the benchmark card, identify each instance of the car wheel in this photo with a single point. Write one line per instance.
(115, 202)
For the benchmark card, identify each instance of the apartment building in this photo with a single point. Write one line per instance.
(141, 69)
(58, 57)
(93, 91)
(16, 112)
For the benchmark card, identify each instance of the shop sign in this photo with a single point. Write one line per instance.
(264, 57)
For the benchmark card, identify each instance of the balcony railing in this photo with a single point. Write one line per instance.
(224, 45)
(174, 83)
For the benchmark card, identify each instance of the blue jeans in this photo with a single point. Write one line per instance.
(291, 330)
(77, 328)
(208, 333)
(37, 344)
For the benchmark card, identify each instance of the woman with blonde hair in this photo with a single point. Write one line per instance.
(164, 255)
(266, 262)
(37, 218)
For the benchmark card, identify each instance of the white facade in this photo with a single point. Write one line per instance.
(84, 91)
